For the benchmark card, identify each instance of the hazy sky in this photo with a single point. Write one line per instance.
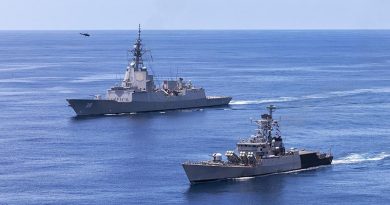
(194, 14)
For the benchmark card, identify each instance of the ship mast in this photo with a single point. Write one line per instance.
(138, 62)
(266, 124)
(271, 109)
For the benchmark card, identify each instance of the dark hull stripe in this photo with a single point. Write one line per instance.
(313, 160)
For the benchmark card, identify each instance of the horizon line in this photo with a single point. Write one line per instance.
(215, 29)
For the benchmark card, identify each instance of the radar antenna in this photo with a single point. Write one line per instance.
(271, 109)
(138, 51)
(139, 31)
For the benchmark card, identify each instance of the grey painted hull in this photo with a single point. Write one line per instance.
(100, 107)
(203, 172)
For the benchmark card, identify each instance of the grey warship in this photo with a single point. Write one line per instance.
(261, 154)
(138, 93)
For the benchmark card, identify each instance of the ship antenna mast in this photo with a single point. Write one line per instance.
(138, 51)
(139, 32)
(271, 109)
(268, 123)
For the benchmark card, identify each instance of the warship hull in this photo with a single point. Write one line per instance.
(204, 172)
(101, 107)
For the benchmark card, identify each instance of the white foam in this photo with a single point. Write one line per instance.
(60, 89)
(17, 93)
(15, 80)
(359, 65)
(347, 93)
(19, 67)
(36, 91)
(360, 91)
(243, 178)
(327, 95)
(251, 102)
(319, 68)
(276, 173)
(95, 78)
(358, 158)
(27, 79)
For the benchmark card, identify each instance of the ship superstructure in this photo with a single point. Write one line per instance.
(262, 153)
(138, 92)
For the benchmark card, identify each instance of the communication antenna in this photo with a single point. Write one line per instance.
(139, 31)
(271, 109)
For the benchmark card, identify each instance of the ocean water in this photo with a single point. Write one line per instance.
(332, 89)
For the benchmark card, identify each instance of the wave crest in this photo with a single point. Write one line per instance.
(251, 102)
(358, 158)
(327, 95)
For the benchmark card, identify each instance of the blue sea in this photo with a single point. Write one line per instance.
(332, 89)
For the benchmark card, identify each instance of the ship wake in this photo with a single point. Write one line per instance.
(263, 101)
(328, 95)
(359, 158)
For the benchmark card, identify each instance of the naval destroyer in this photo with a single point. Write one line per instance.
(138, 92)
(261, 154)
